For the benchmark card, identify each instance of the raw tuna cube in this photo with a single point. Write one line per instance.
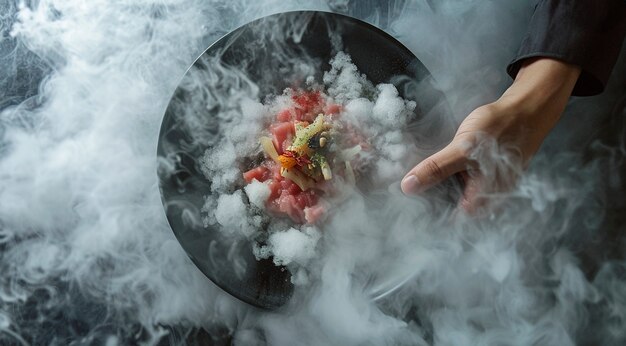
(281, 133)
(260, 173)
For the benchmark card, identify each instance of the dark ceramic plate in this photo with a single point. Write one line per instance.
(267, 51)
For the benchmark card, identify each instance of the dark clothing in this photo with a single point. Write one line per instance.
(587, 33)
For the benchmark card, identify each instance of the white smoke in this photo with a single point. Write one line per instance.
(87, 255)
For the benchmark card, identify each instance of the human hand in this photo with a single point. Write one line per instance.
(496, 141)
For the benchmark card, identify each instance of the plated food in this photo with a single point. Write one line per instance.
(286, 166)
(309, 152)
(229, 98)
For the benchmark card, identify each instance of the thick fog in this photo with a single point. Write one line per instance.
(87, 255)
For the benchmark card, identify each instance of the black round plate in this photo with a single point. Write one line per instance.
(267, 51)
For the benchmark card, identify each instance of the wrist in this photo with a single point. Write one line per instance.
(541, 88)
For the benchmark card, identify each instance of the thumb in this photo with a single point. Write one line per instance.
(434, 169)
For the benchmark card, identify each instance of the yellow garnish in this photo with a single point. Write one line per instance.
(268, 148)
(297, 178)
(326, 172)
(350, 173)
(300, 143)
(299, 126)
(286, 161)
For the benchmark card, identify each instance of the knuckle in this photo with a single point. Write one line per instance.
(464, 147)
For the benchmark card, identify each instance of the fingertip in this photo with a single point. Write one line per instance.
(410, 185)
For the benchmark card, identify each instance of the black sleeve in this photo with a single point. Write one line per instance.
(587, 33)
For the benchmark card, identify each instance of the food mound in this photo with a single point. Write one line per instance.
(310, 151)
(283, 169)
